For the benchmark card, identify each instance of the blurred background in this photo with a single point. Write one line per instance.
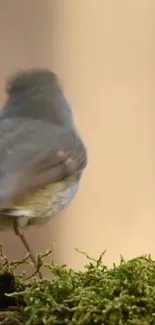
(104, 54)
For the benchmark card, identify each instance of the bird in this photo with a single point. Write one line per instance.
(42, 155)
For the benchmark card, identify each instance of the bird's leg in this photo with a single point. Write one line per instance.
(18, 231)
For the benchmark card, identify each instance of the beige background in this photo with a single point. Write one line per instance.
(104, 53)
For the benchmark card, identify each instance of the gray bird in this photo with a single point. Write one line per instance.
(42, 156)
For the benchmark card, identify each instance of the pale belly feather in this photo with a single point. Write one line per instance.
(38, 208)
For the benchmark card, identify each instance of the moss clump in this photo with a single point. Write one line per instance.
(121, 295)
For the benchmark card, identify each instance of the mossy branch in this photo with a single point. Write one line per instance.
(121, 295)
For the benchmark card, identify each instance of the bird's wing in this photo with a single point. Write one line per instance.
(34, 154)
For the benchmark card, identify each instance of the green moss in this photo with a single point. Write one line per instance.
(120, 295)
